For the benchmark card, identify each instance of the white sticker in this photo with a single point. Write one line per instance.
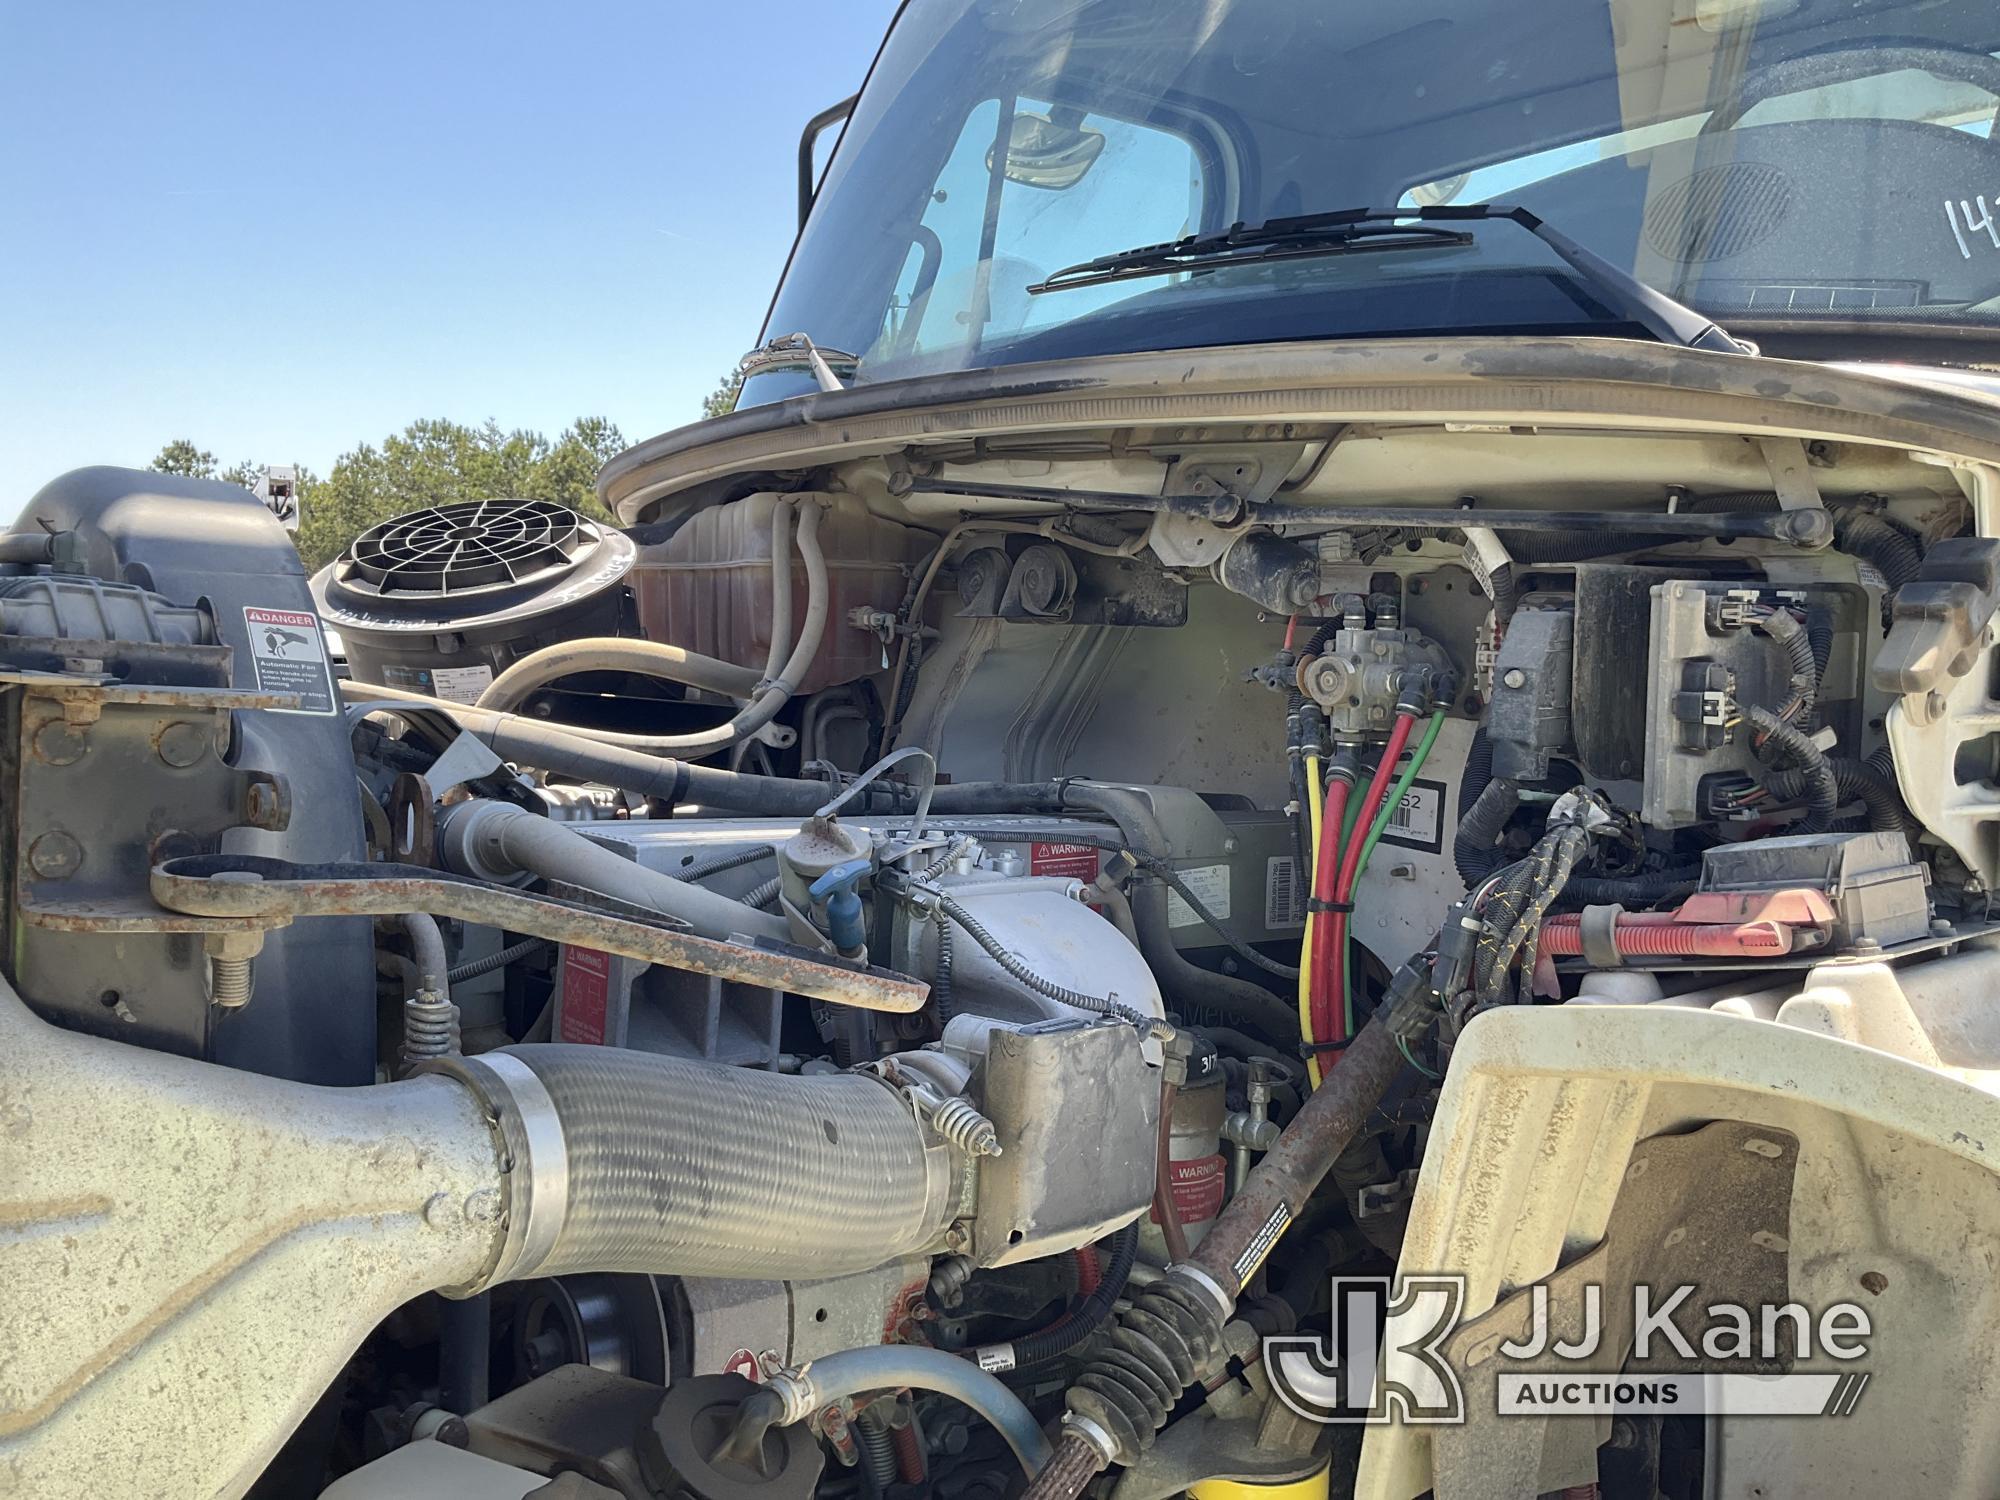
(1284, 893)
(289, 657)
(1415, 819)
(461, 684)
(1210, 883)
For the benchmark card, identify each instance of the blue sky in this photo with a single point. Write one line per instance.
(282, 229)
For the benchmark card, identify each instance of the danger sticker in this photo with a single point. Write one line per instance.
(586, 995)
(289, 656)
(1074, 861)
(1197, 1189)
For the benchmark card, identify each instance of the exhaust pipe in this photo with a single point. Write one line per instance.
(191, 1254)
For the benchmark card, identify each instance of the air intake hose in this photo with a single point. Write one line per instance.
(637, 1162)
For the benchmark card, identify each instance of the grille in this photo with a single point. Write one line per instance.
(1718, 211)
(458, 550)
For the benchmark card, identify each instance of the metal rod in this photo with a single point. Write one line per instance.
(272, 892)
(1801, 528)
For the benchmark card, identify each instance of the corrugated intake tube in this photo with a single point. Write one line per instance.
(638, 1162)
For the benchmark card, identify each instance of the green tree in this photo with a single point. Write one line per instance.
(184, 458)
(438, 462)
(721, 401)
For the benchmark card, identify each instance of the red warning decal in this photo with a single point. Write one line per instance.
(586, 994)
(1197, 1187)
(746, 1364)
(1075, 861)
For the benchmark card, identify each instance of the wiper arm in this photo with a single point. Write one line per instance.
(1302, 237)
(1339, 231)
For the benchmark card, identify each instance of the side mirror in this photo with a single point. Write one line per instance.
(1050, 153)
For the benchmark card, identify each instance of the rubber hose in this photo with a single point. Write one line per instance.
(696, 1169)
(1894, 553)
(613, 654)
(1063, 1335)
(1856, 781)
(1784, 742)
(1187, 985)
(781, 589)
(1472, 847)
(493, 840)
(427, 952)
(833, 1377)
(530, 742)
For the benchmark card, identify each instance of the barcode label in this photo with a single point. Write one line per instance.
(1416, 821)
(1284, 893)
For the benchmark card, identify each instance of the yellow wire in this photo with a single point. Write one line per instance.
(1315, 811)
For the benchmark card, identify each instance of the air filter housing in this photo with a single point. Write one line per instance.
(443, 600)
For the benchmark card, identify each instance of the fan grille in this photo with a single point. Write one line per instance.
(454, 551)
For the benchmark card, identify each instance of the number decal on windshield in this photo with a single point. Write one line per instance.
(1976, 217)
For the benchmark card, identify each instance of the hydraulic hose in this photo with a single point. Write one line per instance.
(615, 654)
(646, 1163)
(498, 841)
(568, 753)
(427, 953)
(792, 1395)
(1173, 1329)
(1076, 1324)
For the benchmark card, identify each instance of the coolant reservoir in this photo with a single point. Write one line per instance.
(708, 587)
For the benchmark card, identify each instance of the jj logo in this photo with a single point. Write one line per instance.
(1386, 1360)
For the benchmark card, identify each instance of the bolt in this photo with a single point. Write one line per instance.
(1515, 678)
(60, 744)
(958, 1237)
(55, 856)
(181, 743)
(229, 982)
(483, 1207)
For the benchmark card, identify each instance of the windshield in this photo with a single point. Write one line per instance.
(1773, 163)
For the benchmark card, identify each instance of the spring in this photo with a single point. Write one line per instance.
(1154, 1352)
(430, 1027)
(878, 1450)
(966, 1128)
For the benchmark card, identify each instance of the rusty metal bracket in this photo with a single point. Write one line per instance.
(264, 893)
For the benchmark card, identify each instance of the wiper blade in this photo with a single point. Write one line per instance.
(1660, 315)
(1303, 237)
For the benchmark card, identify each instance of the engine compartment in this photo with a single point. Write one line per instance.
(974, 934)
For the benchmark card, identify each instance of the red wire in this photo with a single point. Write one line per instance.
(1343, 888)
(1291, 629)
(1326, 866)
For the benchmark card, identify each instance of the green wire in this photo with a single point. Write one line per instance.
(1404, 1048)
(1375, 831)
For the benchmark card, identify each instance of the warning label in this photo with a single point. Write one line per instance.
(1197, 1189)
(586, 995)
(1076, 861)
(290, 657)
(453, 684)
(1210, 884)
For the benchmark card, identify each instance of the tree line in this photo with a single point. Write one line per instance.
(432, 462)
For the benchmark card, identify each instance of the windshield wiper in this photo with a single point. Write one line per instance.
(1344, 231)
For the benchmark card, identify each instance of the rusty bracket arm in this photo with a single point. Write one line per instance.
(267, 893)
